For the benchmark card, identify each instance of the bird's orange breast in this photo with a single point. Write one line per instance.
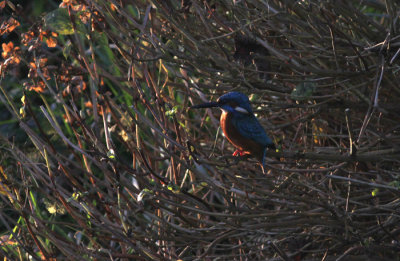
(242, 143)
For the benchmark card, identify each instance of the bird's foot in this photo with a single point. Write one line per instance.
(238, 153)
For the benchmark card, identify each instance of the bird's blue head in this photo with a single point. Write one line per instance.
(234, 102)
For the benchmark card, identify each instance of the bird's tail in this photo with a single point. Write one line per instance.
(263, 159)
(269, 146)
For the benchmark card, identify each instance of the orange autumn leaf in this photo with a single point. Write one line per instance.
(73, 4)
(88, 104)
(16, 59)
(79, 8)
(78, 83)
(84, 17)
(42, 34)
(32, 65)
(12, 25)
(7, 241)
(9, 51)
(2, 4)
(8, 26)
(65, 3)
(33, 71)
(38, 88)
(46, 34)
(7, 48)
(113, 7)
(101, 110)
(27, 37)
(51, 42)
(42, 62)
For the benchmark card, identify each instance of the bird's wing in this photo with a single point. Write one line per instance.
(250, 128)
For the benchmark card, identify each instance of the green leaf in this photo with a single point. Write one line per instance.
(111, 154)
(104, 52)
(54, 208)
(59, 21)
(174, 188)
(395, 184)
(254, 97)
(172, 112)
(303, 91)
(145, 192)
(67, 49)
(22, 112)
(133, 10)
(204, 184)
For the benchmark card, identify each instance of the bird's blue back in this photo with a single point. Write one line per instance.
(249, 127)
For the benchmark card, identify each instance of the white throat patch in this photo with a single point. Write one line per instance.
(240, 109)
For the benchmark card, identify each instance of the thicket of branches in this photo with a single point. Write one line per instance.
(101, 157)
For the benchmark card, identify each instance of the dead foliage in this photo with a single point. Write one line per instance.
(114, 165)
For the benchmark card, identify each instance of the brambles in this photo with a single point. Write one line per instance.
(105, 160)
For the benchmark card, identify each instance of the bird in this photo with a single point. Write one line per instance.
(240, 126)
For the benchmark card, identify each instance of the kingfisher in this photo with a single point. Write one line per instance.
(240, 126)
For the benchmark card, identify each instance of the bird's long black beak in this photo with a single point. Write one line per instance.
(206, 105)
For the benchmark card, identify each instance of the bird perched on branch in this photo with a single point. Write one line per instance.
(240, 126)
